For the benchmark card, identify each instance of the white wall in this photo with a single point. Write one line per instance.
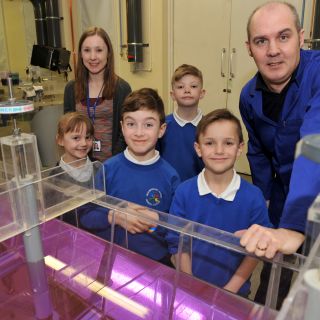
(19, 33)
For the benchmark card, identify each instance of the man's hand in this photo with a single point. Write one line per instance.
(266, 242)
(134, 224)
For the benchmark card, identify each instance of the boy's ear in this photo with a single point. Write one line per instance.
(162, 130)
(121, 124)
(172, 96)
(197, 149)
(240, 149)
(203, 93)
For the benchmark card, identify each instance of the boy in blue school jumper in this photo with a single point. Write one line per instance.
(138, 175)
(176, 146)
(219, 198)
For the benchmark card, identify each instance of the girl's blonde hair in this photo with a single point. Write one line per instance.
(73, 121)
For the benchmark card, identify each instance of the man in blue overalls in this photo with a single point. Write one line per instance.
(279, 106)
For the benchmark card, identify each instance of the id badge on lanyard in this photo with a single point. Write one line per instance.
(96, 143)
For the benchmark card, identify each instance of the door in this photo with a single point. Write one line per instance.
(201, 38)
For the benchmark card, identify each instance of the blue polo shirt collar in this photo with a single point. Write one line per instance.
(181, 122)
(131, 158)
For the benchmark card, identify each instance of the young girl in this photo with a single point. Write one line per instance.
(75, 138)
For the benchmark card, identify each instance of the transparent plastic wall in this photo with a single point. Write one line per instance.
(90, 278)
(185, 237)
(61, 192)
(46, 197)
(309, 147)
(105, 278)
(303, 301)
(20, 158)
(20, 171)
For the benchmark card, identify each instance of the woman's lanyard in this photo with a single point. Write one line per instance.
(93, 115)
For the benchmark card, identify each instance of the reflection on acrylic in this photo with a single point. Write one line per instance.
(89, 279)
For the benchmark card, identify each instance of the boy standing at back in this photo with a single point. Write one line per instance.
(219, 198)
(138, 175)
(176, 146)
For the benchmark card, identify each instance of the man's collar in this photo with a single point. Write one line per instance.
(261, 85)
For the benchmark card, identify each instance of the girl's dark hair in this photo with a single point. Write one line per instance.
(218, 115)
(82, 74)
(145, 98)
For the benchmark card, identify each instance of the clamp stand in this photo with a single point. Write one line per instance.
(22, 168)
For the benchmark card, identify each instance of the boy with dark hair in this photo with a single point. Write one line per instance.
(176, 146)
(219, 198)
(139, 175)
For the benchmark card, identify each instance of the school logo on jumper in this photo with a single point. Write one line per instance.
(153, 197)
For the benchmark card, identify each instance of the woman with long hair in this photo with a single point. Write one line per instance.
(98, 92)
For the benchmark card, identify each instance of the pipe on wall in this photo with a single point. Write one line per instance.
(134, 31)
(53, 23)
(47, 21)
(40, 21)
(316, 28)
(48, 53)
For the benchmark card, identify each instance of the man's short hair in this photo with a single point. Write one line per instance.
(184, 70)
(145, 98)
(289, 5)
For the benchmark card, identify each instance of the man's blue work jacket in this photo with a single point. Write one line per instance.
(271, 146)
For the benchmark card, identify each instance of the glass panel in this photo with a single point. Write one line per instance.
(303, 299)
(89, 278)
(50, 197)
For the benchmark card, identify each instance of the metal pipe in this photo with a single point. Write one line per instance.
(134, 31)
(40, 20)
(10, 91)
(316, 28)
(303, 12)
(120, 29)
(34, 254)
(53, 23)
